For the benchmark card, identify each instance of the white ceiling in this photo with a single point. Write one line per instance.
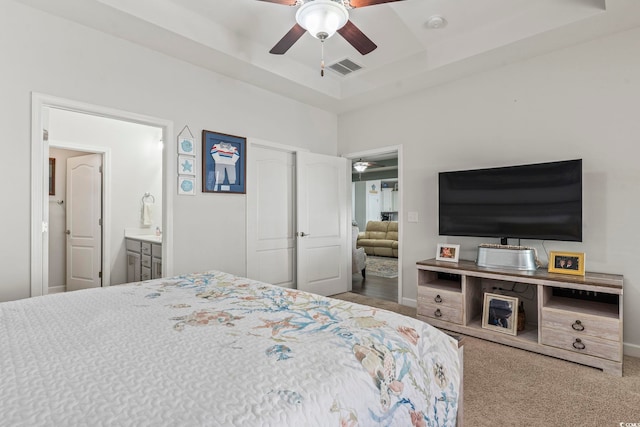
(233, 37)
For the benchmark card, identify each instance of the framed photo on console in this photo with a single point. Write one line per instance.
(566, 263)
(500, 313)
(447, 252)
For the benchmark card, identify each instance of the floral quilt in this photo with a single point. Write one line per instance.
(215, 349)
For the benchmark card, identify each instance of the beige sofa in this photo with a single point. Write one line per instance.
(380, 238)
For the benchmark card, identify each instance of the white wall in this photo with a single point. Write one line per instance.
(56, 57)
(135, 152)
(580, 102)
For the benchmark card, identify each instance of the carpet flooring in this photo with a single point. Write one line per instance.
(505, 386)
(382, 266)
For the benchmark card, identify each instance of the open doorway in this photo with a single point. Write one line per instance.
(376, 205)
(98, 129)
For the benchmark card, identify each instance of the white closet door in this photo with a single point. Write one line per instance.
(290, 193)
(271, 239)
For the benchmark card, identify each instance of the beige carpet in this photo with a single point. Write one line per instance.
(505, 386)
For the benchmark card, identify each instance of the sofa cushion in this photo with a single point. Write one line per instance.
(378, 235)
(380, 238)
(383, 243)
(382, 226)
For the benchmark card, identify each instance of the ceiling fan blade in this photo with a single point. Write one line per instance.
(362, 3)
(356, 38)
(288, 40)
(284, 2)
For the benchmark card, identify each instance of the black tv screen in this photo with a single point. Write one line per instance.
(537, 201)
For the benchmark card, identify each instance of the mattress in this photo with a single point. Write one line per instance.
(214, 349)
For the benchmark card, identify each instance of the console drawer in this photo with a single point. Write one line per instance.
(580, 324)
(428, 295)
(440, 312)
(582, 344)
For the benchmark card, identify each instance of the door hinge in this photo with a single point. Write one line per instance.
(100, 274)
(100, 169)
(100, 222)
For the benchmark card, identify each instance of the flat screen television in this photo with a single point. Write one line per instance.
(536, 201)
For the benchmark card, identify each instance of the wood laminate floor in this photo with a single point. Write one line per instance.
(375, 287)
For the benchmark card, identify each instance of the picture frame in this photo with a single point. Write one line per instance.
(52, 176)
(186, 165)
(447, 252)
(187, 185)
(224, 159)
(566, 263)
(500, 313)
(186, 142)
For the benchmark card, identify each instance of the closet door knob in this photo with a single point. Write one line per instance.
(68, 232)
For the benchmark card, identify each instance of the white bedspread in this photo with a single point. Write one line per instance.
(219, 350)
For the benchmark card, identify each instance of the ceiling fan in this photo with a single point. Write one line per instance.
(322, 19)
(361, 165)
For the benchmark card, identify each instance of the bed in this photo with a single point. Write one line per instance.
(214, 349)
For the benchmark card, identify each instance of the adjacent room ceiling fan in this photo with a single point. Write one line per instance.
(322, 19)
(361, 165)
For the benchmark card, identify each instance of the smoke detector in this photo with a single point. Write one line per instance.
(436, 22)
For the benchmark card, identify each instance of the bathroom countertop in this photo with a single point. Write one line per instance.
(152, 238)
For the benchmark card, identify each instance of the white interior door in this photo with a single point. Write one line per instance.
(324, 263)
(84, 213)
(271, 240)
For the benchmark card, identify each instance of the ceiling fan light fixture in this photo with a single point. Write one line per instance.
(360, 166)
(322, 18)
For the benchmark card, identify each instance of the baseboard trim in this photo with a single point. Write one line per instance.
(632, 350)
(57, 289)
(410, 302)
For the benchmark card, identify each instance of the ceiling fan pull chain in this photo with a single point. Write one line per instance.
(322, 58)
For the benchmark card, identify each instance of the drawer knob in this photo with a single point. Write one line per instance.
(437, 313)
(577, 326)
(578, 344)
(438, 299)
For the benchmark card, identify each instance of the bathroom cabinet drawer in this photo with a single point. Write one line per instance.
(146, 261)
(133, 245)
(145, 273)
(145, 248)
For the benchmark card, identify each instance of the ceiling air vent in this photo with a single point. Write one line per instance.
(345, 67)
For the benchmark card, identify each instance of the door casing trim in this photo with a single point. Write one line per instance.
(386, 150)
(39, 282)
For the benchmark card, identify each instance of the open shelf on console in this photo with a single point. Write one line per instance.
(529, 334)
(445, 285)
(584, 307)
(608, 307)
